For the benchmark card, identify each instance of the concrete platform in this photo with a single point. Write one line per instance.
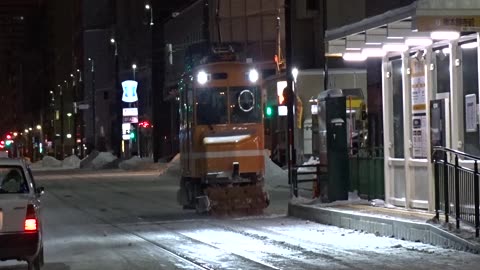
(416, 226)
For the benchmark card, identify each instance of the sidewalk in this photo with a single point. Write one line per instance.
(410, 225)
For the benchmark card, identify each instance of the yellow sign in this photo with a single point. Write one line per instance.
(456, 23)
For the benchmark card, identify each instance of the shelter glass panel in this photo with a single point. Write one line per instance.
(470, 87)
(398, 143)
(443, 71)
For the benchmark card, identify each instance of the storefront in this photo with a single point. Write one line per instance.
(430, 64)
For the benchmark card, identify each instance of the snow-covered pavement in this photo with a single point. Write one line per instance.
(132, 221)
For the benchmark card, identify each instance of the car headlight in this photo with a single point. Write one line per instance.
(202, 77)
(253, 75)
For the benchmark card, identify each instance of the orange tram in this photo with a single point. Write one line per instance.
(222, 139)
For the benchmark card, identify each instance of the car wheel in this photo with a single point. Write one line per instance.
(40, 257)
(35, 264)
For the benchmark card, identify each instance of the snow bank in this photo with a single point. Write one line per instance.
(71, 162)
(51, 162)
(172, 168)
(102, 159)
(87, 161)
(133, 163)
(274, 175)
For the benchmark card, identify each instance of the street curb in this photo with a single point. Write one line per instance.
(388, 227)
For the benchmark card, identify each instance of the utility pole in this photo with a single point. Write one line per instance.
(290, 94)
(325, 59)
(62, 131)
(94, 126)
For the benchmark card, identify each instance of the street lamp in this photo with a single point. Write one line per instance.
(39, 127)
(134, 67)
(148, 7)
(114, 43)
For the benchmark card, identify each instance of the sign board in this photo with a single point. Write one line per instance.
(83, 106)
(419, 109)
(461, 23)
(130, 111)
(471, 113)
(126, 131)
(130, 119)
(280, 86)
(129, 91)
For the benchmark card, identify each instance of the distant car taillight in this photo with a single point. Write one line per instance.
(31, 219)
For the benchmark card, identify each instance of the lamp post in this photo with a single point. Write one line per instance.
(149, 7)
(134, 68)
(62, 141)
(117, 122)
(94, 126)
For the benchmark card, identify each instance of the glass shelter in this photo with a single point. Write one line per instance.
(430, 87)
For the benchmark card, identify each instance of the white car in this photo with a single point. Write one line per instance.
(20, 215)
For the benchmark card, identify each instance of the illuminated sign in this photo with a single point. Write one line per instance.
(126, 131)
(130, 111)
(130, 119)
(129, 91)
(280, 86)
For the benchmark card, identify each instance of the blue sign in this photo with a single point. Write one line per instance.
(129, 91)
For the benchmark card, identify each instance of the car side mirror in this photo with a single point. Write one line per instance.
(40, 190)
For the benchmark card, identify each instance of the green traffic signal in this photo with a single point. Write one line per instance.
(269, 111)
(132, 135)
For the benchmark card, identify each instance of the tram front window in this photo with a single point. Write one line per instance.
(245, 105)
(211, 106)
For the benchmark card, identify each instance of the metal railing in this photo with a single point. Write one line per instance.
(457, 186)
(318, 172)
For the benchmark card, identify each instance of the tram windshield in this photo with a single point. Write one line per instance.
(211, 106)
(244, 103)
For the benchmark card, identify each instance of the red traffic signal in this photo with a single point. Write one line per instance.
(9, 137)
(144, 124)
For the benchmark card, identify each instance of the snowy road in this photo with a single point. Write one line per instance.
(132, 221)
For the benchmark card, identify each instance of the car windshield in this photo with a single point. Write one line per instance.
(12, 180)
(245, 105)
(211, 106)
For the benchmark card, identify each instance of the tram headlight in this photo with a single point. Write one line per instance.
(253, 75)
(202, 77)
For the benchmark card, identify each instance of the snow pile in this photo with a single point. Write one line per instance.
(274, 175)
(71, 162)
(353, 196)
(173, 168)
(133, 163)
(51, 162)
(102, 159)
(311, 161)
(87, 161)
(378, 203)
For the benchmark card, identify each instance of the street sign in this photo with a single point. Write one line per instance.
(130, 111)
(129, 91)
(83, 106)
(130, 119)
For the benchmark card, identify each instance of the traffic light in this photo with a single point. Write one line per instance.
(132, 134)
(268, 111)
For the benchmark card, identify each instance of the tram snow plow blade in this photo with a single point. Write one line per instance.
(237, 200)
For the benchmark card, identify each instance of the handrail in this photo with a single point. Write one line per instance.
(465, 195)
(445, 149)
